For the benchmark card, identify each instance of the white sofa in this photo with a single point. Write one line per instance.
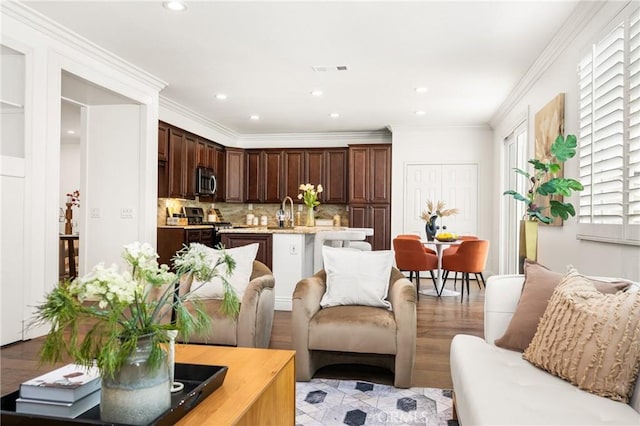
(495, 386)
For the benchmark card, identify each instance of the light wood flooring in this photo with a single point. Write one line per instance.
(439, 319)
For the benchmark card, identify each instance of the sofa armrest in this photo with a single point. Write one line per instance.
(256, 309)
(500, 302)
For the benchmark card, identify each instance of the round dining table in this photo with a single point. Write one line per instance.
(440, 290)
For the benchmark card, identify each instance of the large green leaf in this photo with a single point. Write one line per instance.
(539, 165)
(560, 186)
(564, 210)
(563, 149)
(522, 172)
(517, 196)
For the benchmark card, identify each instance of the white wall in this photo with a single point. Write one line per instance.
(49, 50)
(447, 145)
(112, 182)
(558, 246)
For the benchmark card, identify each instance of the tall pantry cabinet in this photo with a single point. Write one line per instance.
(370, 191)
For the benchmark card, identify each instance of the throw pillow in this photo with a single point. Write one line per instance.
(589, 338)
(539, 284)
(356, 277)
(239, 279)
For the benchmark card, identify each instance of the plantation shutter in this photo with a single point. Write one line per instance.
(609, 134)
(633, 214)
(607, 154)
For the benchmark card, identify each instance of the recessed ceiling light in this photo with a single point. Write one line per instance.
(419, 112)
(420, 89)
(71, 132)
(175, 5)
(316, 93)
(221, 96)
(334, 115)
(255, 117)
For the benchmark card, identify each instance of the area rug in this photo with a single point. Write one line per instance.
(324, 402)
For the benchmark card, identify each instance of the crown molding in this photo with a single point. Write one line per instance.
(579, 18)
(57, 32)
(332, 138)
(197, 117)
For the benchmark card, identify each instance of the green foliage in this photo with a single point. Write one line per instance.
(118, 309)
(544, 183)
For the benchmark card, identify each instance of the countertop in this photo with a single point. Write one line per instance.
(186, 226)
(275, 230)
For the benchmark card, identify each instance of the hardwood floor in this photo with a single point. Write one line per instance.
(439, 319)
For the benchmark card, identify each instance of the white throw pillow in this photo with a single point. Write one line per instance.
(356, 277)
(239, 279)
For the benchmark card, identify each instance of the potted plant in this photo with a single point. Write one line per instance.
(128, 320)
(543, 185)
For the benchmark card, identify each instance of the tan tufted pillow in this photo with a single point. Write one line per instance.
(590, 339)
(538, 287)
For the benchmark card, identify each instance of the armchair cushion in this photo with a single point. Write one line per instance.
(538, 287)
(357, 277)
(239, 279)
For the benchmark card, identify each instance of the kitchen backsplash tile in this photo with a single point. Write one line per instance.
(236, 213)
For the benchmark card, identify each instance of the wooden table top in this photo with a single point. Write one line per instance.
(250, 372)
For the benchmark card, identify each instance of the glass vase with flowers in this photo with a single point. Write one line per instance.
(127, 318)
(309, 197)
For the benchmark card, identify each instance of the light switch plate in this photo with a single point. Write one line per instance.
(126, 213)
(95, 213)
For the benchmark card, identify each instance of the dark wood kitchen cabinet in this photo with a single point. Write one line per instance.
(263, 176)
(234, 176)
(376, 216)
(182, 164)
(221, 172)
(369, 174)
(171, 240)
(293, 169)
(265, 245)
(370, 192)
(336, 166)
(163, 156)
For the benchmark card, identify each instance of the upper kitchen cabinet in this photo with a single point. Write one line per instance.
(328, 166)
(212, 156)
(369, 174)
(182, 164)
(234, 176)
(163, 156)
(221, 172)
(335, 188)
(263, 175)
(293, 169)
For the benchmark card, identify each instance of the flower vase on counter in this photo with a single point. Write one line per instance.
(309, 197)
(311, 217)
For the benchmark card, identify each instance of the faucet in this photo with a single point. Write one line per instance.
(284, 202)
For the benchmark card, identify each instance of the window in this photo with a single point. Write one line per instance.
(609, 142)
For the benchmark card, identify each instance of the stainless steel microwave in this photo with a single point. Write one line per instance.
(206, 183)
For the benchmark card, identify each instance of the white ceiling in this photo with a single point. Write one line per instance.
(469, 55)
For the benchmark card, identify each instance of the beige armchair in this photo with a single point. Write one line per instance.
(354, 334)
(252, 328)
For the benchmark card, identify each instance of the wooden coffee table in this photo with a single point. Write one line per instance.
(259, 387)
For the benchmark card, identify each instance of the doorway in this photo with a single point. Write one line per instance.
(70, 196)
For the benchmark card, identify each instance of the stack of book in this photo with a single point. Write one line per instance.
(66, 392)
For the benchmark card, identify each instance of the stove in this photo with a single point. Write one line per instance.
(196, 216)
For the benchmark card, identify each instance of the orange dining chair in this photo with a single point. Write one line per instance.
(470, 258)
(410, 256)
(452, 250)
(417, 237)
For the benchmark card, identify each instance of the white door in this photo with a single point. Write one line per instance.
(455, 184)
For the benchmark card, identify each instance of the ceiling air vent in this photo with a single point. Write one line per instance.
(326, 68)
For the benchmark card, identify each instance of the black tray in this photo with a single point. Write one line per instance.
(199, 382)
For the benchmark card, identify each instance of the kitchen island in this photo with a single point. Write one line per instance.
(289, 253)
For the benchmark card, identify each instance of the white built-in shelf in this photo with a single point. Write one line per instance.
(10, 106)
